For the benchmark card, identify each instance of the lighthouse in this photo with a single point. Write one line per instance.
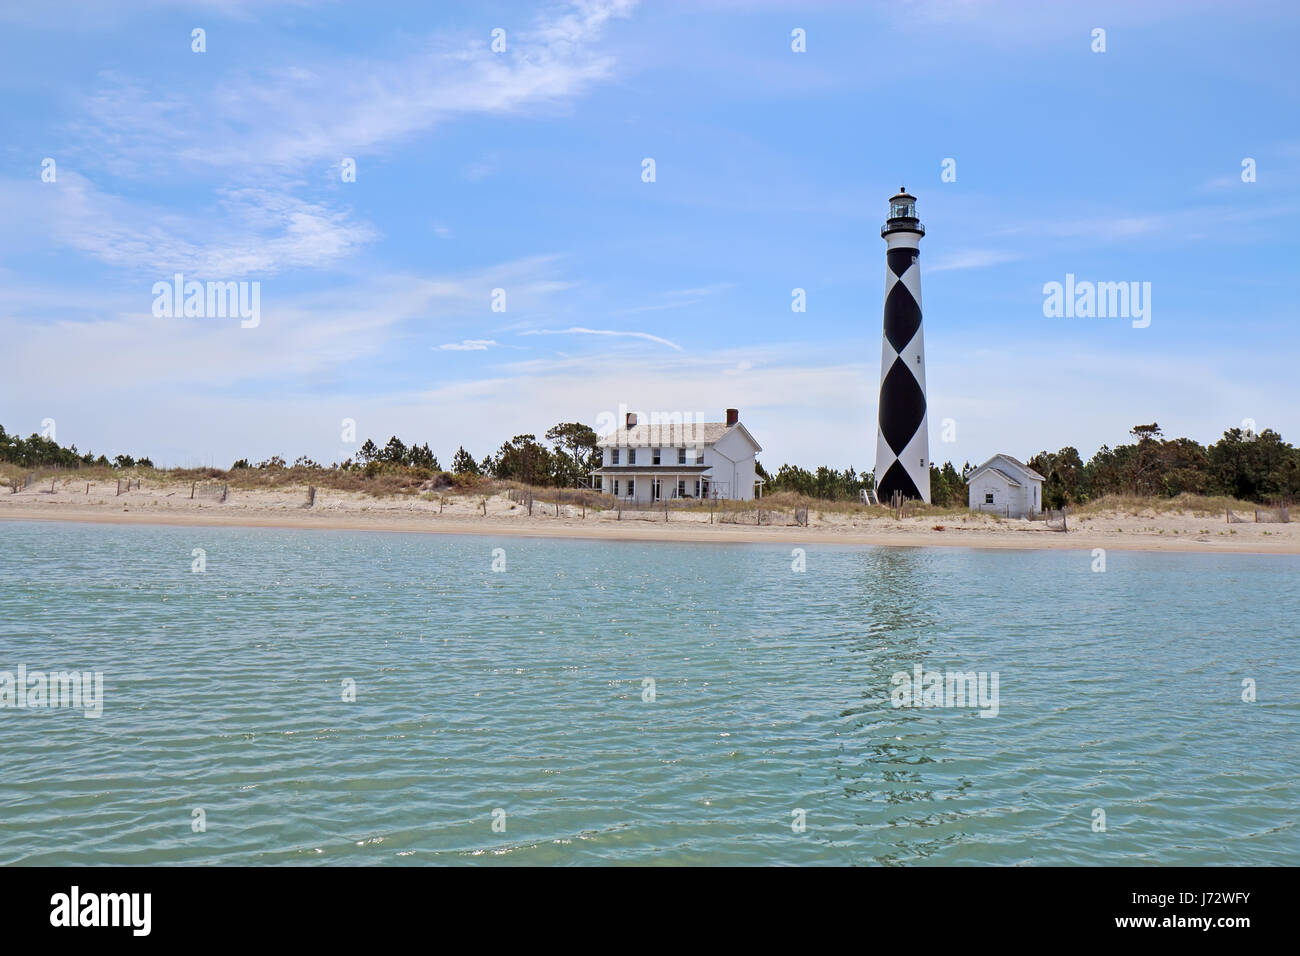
(902, 443)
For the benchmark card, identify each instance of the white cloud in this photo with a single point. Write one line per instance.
(247, 231)
(677, 299)
(469, 345)
(971, 259)
(318, 335)
(261, 129)
(288, 118)
(174, 390)
(577, 330)
(481, 169)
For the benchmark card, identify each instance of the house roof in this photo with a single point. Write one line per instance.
(666, 435)
(1000, 463)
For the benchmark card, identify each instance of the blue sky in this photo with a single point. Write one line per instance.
(522, 170)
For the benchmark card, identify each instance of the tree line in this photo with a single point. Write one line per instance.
(1242, 464)
(39, 451)
(1249, 466)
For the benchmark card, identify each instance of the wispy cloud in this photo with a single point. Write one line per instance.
(263, 135)
(577, 330)
(469, 345)
(1199, 222)
(288, 118)
(480, 169)
(971, 259)
(245, 232)
(677, 299)
(318, 334)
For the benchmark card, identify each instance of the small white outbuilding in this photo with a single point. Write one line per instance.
(1005, 486)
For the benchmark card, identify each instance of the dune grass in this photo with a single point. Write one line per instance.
(380, 481)
(1134, 506)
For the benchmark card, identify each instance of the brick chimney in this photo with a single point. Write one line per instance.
(733, 416)
(631, 419)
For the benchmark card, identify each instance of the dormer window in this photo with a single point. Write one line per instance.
(613, 456)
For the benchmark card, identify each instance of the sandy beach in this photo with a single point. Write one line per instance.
(1144, 530)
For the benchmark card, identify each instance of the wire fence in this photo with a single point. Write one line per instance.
(212, 490)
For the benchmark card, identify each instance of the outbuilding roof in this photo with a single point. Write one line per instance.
(998, 462)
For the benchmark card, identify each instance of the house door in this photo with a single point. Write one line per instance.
(654, 489)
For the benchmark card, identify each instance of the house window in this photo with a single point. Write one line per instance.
(654, 459)
(697, 487)
(613, 456)
(631, 456)
(988, 497)
(631, 487)
(699, 455)
(615, 487)
(922, 462)
(681, 456)
(681, 487)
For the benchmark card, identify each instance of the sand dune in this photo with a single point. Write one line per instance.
(171, 504)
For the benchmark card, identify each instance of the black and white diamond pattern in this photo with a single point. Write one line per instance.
(902, 446)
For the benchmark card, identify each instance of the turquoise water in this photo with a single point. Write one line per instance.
(522, 691)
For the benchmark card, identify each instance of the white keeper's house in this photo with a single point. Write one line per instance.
(1005, 486)
(651, 462)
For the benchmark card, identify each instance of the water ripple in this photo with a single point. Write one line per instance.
(525, 693)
